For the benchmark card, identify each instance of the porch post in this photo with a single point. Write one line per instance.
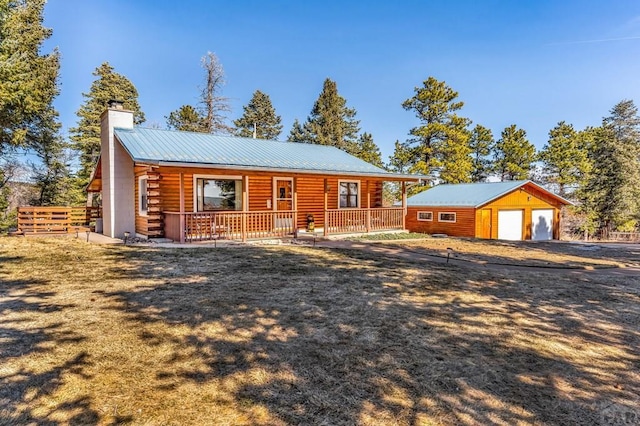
(295, 205)
(182, 230)
(404, 205)
(368, 208)
(245, 206)
(326, 204)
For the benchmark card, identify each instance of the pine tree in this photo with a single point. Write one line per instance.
(298, 133)
(331, 122)
(368, 151)
(456, 163)
(214, 105)
(514, 155)
(28, 86)
(186, 119)
(108, 85)
(565, 158)
(481, 144)
(400, 161)
(440, 144)
(612, 192)
(9, 169)
(260, 117)
(28, 79)
(51, 174)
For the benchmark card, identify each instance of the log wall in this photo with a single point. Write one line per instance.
(309, 189)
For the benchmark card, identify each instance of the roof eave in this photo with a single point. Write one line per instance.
(384, 176)
(557, 197)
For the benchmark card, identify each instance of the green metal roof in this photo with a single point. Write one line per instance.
(176, 147)
(470, 194)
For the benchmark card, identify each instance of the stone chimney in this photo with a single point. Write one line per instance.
(118, 178)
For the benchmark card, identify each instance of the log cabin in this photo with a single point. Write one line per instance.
(193, 186)
(512, 210)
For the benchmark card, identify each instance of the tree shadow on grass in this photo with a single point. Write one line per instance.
(346, 337)
(37, 379)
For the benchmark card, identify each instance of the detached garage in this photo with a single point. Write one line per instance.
(513, 210)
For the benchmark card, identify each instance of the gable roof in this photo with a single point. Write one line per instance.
(168, 147)
(472, 194)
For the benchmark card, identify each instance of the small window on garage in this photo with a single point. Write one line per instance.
(446, 217)
(425, 216)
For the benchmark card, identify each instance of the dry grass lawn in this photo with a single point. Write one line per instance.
(535, 253)
(299, 335)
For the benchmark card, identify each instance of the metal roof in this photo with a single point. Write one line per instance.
(196, 149)
(470, 194)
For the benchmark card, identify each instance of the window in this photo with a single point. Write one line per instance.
(143, 200)
(218, 194)
(446, 217)
(349, 194)
(425, 215)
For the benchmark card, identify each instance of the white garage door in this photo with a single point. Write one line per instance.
(509, 224)
(542, 224)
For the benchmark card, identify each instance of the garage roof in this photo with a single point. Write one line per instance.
(472, 194)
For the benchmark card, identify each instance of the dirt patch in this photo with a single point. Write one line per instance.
(303, 335)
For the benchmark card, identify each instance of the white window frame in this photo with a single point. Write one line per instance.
(455, 217)
(275, 197)
(145, 178)
(425, 220)
(216, 177)
(358, 195)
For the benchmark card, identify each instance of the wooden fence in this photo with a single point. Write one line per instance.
(56, 220)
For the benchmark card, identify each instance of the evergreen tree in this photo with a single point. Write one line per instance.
(514, 155)
(612, 192)
(259, 116)
(456, 163)
(400, 161)
(298, 133)
(214, 105)
(28, 79)
(108, 85)
(28, 86)
(440, 132)
(331, 122)
(187, 119)
(9, 168)
(565, 158)
(481, 144)
(51, 174)
(368, 151)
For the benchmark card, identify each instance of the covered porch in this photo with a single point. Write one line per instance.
(298, 205)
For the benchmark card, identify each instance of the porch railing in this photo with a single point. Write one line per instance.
(34, 220)
(237, 225)
(234, 225)
(341, 221)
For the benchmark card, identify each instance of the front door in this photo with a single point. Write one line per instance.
(283, 202)
(486, 223)
(284, 194)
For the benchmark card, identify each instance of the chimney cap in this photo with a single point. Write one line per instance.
(115, 104)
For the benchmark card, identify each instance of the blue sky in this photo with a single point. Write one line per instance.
(529, 63)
